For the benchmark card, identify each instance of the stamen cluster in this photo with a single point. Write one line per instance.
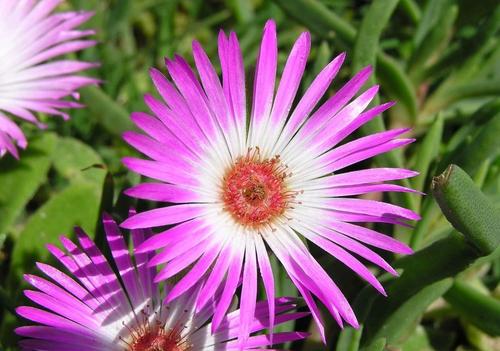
(155, 336)
(254, 190)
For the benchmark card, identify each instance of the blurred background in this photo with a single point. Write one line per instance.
(439, 60)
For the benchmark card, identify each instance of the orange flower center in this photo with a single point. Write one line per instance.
(157, 339)
(254, 190)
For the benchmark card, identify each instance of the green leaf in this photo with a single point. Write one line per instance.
(349, 339)
(395, 80)
(377, 345)
(468, 209)
(404, 318)
(486, 145)
(243, 10)
(375, 20)
(433, 11)
(481, 310)
(412, 10)
(427, 152)
(417, 341)
(435, 41)
(366, 47)
(445, 97)
(327, 24)
(469, 46)
(442, 259)
(74, 160)
(104, 110)
(6, 304)
(430, 212)
(21, 179)
(77, 205)
(319, 18)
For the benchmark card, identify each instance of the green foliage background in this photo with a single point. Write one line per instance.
(440, 60)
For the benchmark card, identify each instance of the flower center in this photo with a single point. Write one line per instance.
(254, 190)
(156, 338)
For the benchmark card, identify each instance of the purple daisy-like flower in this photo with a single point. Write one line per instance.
(95, 309)
(31, 37)
(238, 182)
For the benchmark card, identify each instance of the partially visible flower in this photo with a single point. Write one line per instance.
(95, 309)
(242, 183)
(31, 37)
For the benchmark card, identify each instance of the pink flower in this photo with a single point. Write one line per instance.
(240, 181)
(95, 309)
(31, 37)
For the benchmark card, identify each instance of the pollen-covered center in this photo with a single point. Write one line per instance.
(156, 338)
(254, 190)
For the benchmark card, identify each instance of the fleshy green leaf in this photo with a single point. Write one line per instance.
(468, 209)
(444, 258)
(412, 9)
(481, 310)
(433, 11)
(375, 20)
(427, 152)
(377, 345)
(113, 117)
(405, 317)
(71, 157)
(76, 205)
(19, 180)
(434, 41)
(451, 94)
(366, 47)
(327, 24)
(349, 339)
(486, 145)
(319, 18)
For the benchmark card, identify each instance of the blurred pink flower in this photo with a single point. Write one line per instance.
(31, 37)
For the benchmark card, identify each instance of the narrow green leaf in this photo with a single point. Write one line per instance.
(427, 152)
(486, 145)
(71, 157)
(434, 41)
(461, 146)
(404, 318)
(469, 46)
(395, 80)
(442, 259)
(418, 341)
(76, 205)
(319, 18)
(433, 11)
(113, 117)
(412, 10)
(430, 212)
(468, 209)
(19, 180)
(377, 345)
(349, 339)
(446, 97)
(481, 310)
(242, 9)
(327, 24)
(6, 303)
(366, 45)
(366, 48)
